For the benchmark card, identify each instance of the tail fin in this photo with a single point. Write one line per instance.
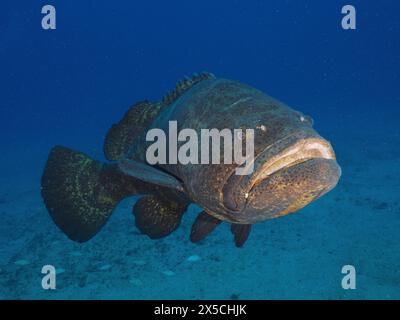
(81, 193)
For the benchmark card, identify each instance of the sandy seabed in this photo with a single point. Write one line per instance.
(299, 256)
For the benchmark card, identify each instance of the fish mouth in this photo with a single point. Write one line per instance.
(302, 151)
(289, 189)
(291, 150)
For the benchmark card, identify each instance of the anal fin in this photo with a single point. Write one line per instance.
(158, 217)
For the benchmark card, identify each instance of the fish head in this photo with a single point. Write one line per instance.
(292, 166)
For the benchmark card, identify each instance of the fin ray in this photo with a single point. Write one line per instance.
(185, 84)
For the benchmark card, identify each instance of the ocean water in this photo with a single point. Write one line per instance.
(67, 86)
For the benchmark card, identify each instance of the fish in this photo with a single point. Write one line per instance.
(292, 166)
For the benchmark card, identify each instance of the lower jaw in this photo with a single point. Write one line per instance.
(284, 195)
(237, 213)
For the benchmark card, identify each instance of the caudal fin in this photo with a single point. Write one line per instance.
(81, 193)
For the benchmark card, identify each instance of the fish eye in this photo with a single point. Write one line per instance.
(306, 119)
(262, 127)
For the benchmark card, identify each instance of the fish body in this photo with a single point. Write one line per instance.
(292, 165)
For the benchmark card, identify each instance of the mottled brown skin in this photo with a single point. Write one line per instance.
(80, 193)
(221, 103)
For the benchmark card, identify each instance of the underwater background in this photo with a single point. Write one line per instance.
(67, 86)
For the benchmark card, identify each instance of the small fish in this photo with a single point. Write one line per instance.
(292, 164)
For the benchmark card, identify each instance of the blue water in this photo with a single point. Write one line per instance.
(66, 86)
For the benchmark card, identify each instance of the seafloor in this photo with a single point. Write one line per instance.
(297, 256)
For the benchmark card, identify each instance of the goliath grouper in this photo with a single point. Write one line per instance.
(293, 166)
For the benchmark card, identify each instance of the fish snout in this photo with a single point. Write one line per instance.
(291, 189)
(290, 175)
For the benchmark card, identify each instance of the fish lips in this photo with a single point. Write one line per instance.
(237, 186)
(290, 189)
(238, 190)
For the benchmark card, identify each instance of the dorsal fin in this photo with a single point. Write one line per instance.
(140, 116)
(121, 135)
(185, 84)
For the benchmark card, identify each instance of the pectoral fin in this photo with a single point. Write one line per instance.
(149, 174)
